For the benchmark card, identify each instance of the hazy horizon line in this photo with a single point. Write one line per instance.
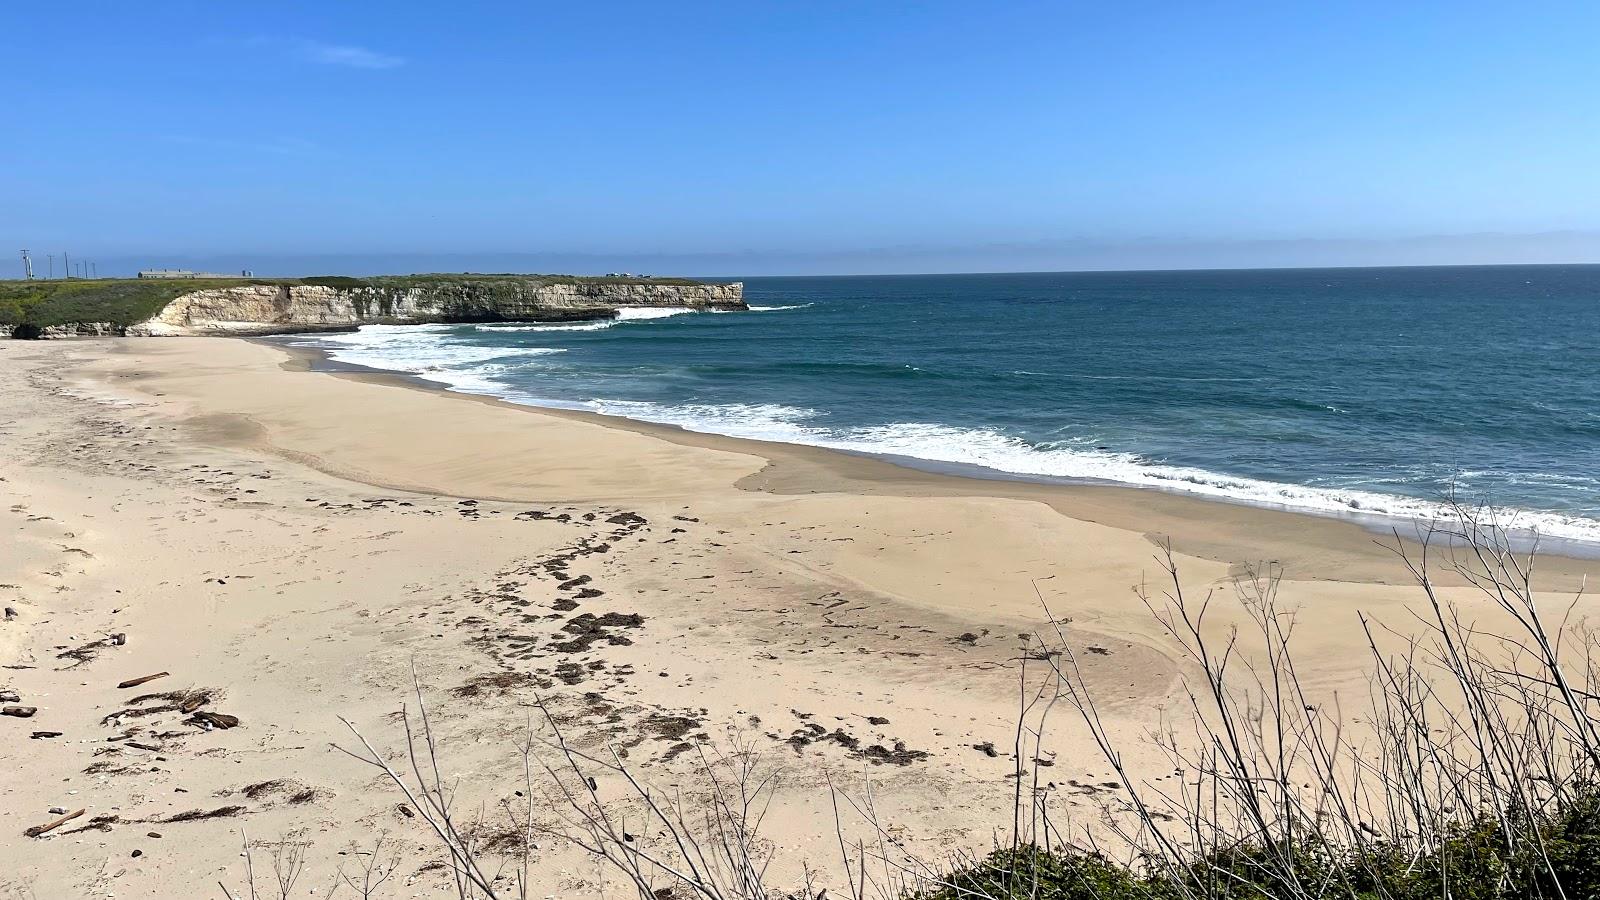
(973, 273)
(1569, 247)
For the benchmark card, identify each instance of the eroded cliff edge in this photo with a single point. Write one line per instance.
(280, 306)
(268, 309)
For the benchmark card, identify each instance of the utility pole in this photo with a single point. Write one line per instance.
(94, 270)
(52, 258)
(66, 267)
(27, 266)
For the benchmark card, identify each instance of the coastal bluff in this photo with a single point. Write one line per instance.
(219, 307)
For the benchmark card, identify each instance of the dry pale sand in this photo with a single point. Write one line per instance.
(289, 544)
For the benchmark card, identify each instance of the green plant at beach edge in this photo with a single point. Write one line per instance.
(1474, 861)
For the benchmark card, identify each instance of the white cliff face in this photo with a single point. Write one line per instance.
(265, 308)
(248, 309)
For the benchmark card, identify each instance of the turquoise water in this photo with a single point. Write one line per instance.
(1345, 391)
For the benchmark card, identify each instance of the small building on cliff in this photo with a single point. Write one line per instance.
(186, 273)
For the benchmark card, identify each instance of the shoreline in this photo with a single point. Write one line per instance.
(1310, 544)
(291, 547)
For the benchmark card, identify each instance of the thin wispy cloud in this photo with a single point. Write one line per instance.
(347, 55)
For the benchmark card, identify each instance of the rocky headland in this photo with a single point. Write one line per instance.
(255, 307)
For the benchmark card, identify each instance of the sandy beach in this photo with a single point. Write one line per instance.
(287, 545)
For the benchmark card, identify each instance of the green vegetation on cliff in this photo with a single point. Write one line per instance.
(126, 301)
(119, 301)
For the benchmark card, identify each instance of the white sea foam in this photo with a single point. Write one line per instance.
(628, 314)
(757, 421)
(635, 313)
(425, 351)
(778, 308)
(1001, 453)
(569, 326)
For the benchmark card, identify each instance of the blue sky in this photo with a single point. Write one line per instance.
(754, 137)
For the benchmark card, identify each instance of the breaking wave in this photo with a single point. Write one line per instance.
(632, 314)
(423, 351)
(985, 449)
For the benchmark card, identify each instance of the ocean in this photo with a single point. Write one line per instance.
(1351, 392)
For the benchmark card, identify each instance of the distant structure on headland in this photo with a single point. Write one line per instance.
(185, 273)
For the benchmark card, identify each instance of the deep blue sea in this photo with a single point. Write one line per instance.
(1367, 391)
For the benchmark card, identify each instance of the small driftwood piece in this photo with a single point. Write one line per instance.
(53, 824)
(21, 712)
(205, 718)
(135, 682)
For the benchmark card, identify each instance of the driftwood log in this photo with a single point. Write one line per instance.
(53, 824)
